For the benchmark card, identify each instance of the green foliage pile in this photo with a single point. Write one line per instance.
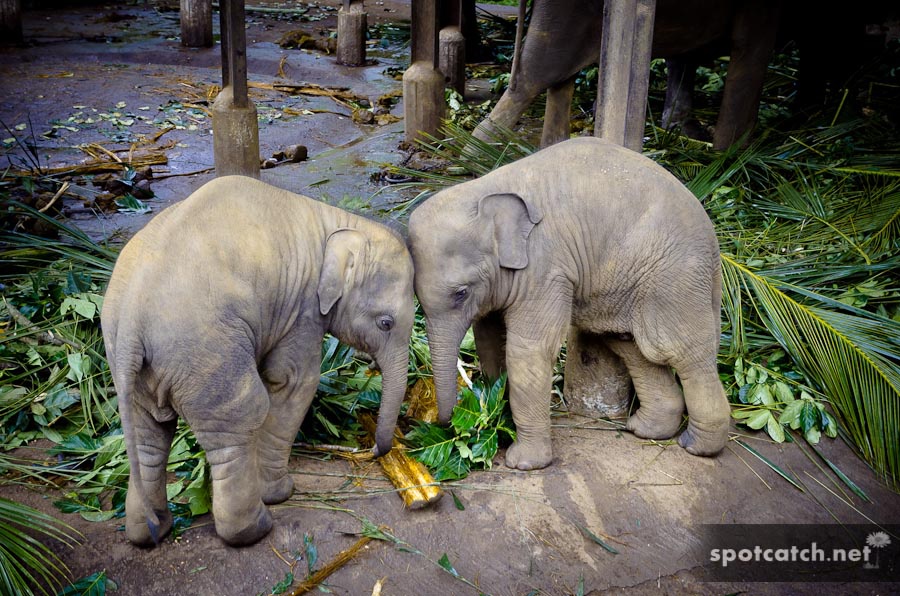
(480, 422)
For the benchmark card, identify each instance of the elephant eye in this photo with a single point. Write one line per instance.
(385, 322)
(460, 295)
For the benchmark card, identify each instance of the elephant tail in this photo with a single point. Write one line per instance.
(129, 363)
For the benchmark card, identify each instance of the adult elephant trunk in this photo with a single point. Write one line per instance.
(444, 344)
(394, 363)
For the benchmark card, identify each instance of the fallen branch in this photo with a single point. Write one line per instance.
(59, 193)
(339, 561)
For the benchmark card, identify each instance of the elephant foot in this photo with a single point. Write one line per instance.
(531, 455)
(705, 442)
(244, 534)
(655, 424)
(278, 491)
(139, 530)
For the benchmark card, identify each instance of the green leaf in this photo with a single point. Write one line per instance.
(92, 585)
(312, 553)
(774, 429)
(758, 420)
(783, 392)
(596, 539)
(456, 501)
(97, 516)
(791, 414)
(445, 564)
(809, 416)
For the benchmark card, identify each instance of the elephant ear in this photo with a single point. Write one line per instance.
(513, 220)
(344, 250)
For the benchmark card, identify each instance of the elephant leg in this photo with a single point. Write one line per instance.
(752, 42)
(534, 336)
(154, 440)
(490, 344)
(662, 403)
(679, 101)
(291, 375)
(677, 328)
(505, 114)
(557, 113)
(708, 411)
(227, 427)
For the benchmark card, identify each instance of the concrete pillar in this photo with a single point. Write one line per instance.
(624, 71)
(10, 21)
(196, 23)
(351, 32)
(423, 83)
(452, 58)
(235, 127)
(597, 383)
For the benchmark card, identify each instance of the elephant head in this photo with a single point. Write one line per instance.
(365, 291)
(466, 248)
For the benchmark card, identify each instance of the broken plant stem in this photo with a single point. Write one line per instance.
(59, 193)
(339, 561)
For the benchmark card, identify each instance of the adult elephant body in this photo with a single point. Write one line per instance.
(564, 37)
(588, 234)
(215, 312)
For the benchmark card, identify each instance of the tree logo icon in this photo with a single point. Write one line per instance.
(877, 540)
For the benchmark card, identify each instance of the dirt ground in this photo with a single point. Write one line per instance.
(114, 74)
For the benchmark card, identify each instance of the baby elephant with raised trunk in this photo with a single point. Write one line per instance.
(215, 312)
(588, 234)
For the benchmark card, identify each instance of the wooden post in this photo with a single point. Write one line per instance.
(351, 32)
(423, 83)
(235, 127)
(452, 46)
(624, 71)
(10, 21)
(196, 23)
(639, 75)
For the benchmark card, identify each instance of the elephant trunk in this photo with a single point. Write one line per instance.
(394, 365)
(444, 346)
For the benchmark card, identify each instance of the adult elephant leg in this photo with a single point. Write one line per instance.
(291, 374)
(752, 42)
(679, 101)
(490, 344)
(557, 112)
(227, 427)
(662, 403)
(153, 439)
(510, 106)
(534, 336)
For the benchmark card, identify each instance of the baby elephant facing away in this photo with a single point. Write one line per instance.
(588, 234)
(215, 312)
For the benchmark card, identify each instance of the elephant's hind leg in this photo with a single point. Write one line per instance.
(154, 439)
(709, 413)
(227, 427)
(680, 330)
(662, 403)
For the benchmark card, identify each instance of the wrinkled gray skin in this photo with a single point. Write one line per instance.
(585, 233)
(216, 311)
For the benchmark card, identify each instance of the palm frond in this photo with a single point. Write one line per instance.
(25, 561)
(851, 357)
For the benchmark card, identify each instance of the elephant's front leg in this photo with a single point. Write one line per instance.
(534, 337)
(291, 376)
(490, 344)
